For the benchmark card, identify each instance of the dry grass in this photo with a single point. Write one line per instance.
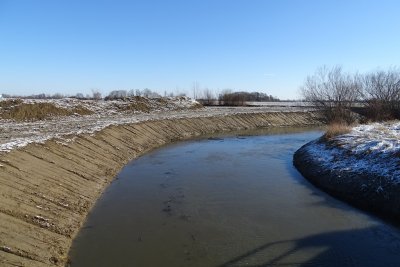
(196, 106)
(136, 103)
(335, 129)
(10, 103)
(162, 101)
(39, 111)
(137, 106)
(81, 110)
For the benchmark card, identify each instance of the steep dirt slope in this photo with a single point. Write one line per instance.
(46, 190)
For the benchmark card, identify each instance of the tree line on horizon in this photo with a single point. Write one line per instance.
(206, 97)
(229, 98)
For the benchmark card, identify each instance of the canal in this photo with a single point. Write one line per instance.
(233, 200)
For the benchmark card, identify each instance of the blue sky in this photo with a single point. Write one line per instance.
(253, 45)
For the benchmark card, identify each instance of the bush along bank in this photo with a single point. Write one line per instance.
(361, 167)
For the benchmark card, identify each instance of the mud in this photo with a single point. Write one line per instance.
(47, 190)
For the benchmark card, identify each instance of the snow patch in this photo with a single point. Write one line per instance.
(372, 148)
(107, 113)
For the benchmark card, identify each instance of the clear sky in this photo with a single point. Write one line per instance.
(253, 45)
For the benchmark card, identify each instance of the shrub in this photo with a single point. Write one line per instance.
(333, 91)
(381, 93)
(335, 129)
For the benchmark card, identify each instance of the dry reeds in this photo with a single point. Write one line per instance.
(335, 129)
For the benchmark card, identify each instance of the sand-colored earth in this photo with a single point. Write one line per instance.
(47, 189)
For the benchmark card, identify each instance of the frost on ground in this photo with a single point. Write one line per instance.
(14, 134)
(370, 149)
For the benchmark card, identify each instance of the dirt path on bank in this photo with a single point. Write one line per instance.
(47, 189)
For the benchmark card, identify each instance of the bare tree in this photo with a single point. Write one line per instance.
(150, 94)
(79, 96)
(57, 96)
(333, 91)
(223, 96)
(195, 89)
(208, 96)
(131, 93)
(147, 92)
(96, 94)
(381, 93)
(117, 94)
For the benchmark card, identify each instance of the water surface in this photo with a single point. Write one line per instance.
(228, 201)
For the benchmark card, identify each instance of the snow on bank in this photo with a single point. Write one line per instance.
(370, 149)
(106, 113)
(14, 134)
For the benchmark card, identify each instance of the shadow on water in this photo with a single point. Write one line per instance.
(324, 199)
(338, 248)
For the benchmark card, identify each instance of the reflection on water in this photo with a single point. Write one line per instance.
(228, 201)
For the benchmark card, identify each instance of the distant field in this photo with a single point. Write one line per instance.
(281, 104)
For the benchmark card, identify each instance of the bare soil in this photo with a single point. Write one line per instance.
(50, 183)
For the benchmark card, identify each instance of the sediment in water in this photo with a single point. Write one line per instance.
(48, 189)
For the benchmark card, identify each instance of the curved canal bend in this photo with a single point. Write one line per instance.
(229, 201)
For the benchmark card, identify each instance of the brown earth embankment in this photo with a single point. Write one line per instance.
(46, 190)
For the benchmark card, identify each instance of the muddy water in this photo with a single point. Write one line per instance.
(228, 201)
